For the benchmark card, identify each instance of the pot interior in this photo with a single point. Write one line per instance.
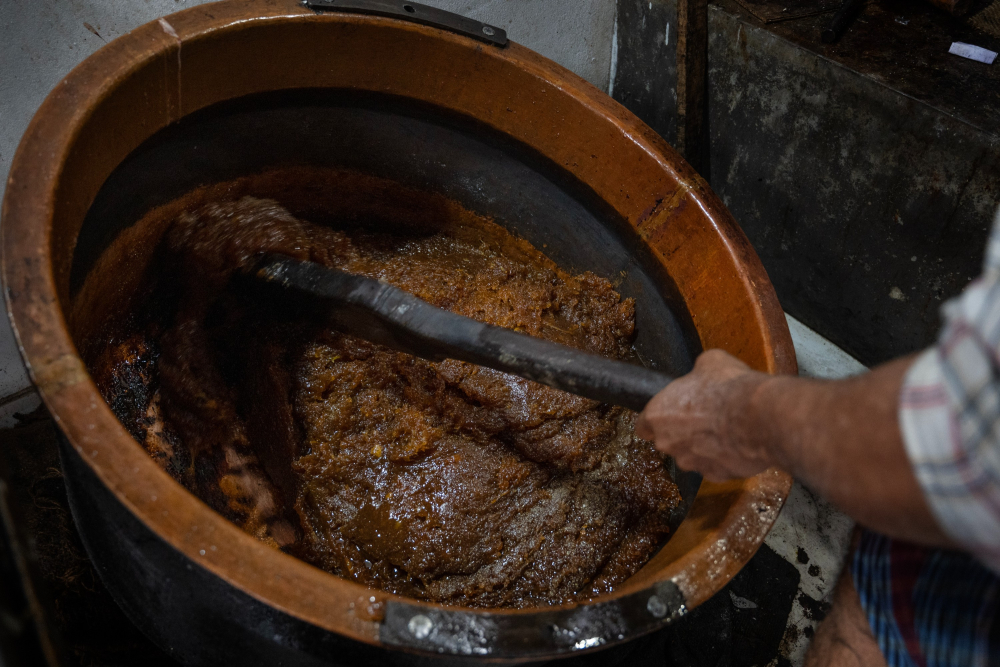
(417, 147)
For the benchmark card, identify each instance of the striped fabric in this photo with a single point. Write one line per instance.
(926, 607)
(932, 608)
(949, 414)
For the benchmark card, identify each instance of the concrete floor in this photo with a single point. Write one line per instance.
(807, 523)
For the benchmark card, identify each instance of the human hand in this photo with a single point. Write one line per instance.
(703, 420)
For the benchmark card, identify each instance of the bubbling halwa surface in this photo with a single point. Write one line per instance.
(442, 481)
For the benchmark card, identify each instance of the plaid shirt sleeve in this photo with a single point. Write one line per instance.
(949, 414)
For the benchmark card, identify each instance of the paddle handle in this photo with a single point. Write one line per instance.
(387, 315)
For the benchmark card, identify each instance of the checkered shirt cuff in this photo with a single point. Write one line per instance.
(949, 414)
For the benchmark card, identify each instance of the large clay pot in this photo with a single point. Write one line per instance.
(230, 89)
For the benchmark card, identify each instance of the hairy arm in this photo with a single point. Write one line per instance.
(841, 438)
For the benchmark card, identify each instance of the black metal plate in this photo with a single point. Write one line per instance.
(417, 13)
(523, 636)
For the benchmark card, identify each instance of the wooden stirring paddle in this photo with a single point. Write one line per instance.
(387, 315)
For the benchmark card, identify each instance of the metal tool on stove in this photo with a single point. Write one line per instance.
(387, 315)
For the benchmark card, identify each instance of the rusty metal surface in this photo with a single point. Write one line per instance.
(865, 173)
(904, 46)
(869, 207)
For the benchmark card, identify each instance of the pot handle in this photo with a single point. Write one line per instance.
(417, 13)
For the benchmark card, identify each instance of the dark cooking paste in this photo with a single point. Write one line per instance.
(442, 481)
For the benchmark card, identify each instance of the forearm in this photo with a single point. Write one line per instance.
(840, 437)
(842, 440)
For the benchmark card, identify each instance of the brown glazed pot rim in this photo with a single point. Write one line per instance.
(133, 87)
